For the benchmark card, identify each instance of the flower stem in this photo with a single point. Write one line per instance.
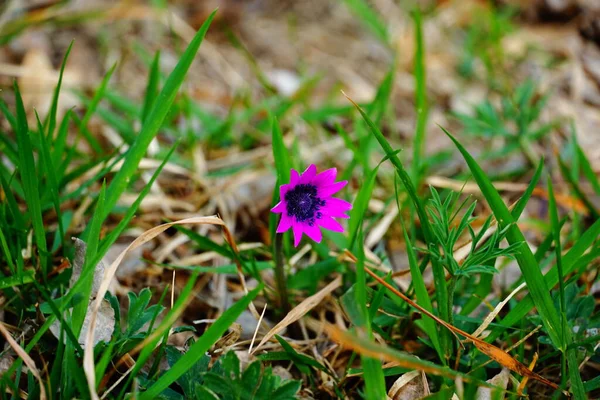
(280, 274)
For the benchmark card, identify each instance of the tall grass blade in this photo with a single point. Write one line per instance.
(420, 100)
(29, 179)
(154, 121)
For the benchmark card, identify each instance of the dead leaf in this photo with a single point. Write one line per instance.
(409, 386)
(106, 314)
(78, 260)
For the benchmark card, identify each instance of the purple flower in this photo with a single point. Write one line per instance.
(306, 204)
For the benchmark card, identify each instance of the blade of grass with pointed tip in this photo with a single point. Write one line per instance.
(420, 99)
(369, 17)
(525, 258)
(60, 143)
(151, 87)
(201, 346)
(50, 173)
(439, 275)
(51, 118)
(100, 92)
(29, 179)
(154, 121)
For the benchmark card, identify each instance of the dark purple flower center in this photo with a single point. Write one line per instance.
(303, 204)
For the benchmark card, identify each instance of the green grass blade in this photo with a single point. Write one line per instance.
(369, 17)
(201, 346)
(100, 92)
(281, 155)
(151, 87)
(359, 208)
(154, 121)
(60, 143)
(525, 258)
(522, 203)
(52, 181)
(14, 280)
(51, 118)
(29, 179)
(420, 100)
(10, 117)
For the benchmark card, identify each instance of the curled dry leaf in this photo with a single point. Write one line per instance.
(409, 386)
(106, 315)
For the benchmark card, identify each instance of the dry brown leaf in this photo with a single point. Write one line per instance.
(301, 309)
(26, 359)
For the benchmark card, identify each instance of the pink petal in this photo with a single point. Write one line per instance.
(283, 189)
(331, 224)
(285, 223)
(326, 177)
(339, 204)
(308, 175)
(314, 233)
(297, 229)
(334, 213)
(294, 177)
(279, 208)
(326, 191)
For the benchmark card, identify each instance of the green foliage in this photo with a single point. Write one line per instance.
(515, 121)
(448, 229)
